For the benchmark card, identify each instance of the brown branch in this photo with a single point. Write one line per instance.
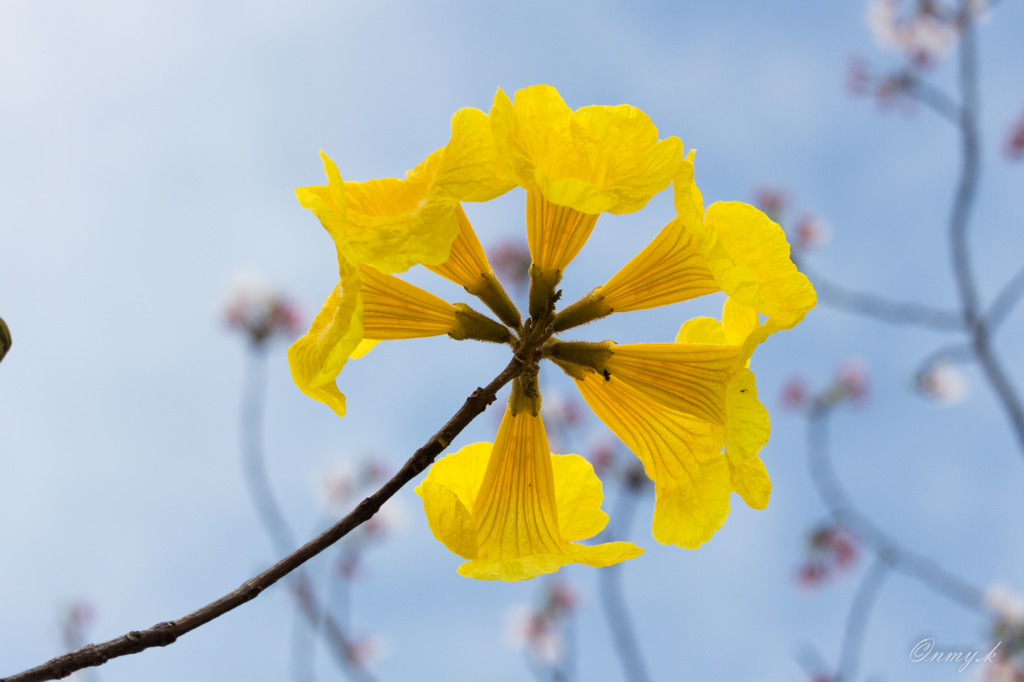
(168, 632)
(5, 338)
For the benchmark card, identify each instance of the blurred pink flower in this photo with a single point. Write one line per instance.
(831, 550)
(1014, 147)
(794, 393)
(811, 232)
(539, 630)
(75, 619)
(602, 457)
(511, 260)
(772, 201)
(851, 382)
(260, 310)
(1005, 604)
(924, 32)
(364, 650)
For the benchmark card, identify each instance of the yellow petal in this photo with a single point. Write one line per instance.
(578, 497)
(532, 131)
(738, 323)
(670, 269)
(750, 479)
(471, 169)
(687, 197)
(515, 510)
(680, 453)
(747, 426)
(688, 378)
(462, 472)
(395, 309)
(394, 223)
(317, 358)
(467, 262)
(702, 330)
(448, 494)
(513, 493)
(749, 257)
(555, 233)
(449, 520)
(364, 347)
(328, 203)
(597, 159)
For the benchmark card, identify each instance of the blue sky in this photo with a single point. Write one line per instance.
(150, 151)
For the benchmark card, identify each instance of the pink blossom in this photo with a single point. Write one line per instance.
(260, 310)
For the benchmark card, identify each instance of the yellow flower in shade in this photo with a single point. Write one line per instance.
(688, 408)
(513, 509)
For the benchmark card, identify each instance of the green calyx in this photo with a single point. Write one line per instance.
(525, 395)
(589, 308)
(470, 324)
(579, 358)
(489, 290)
(542, 289)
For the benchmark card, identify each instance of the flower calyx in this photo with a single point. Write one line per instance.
(578, 359)
(589, 308)
(470, 324)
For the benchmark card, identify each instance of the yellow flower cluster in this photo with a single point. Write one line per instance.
(688, 409)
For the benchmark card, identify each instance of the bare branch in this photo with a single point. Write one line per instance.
(253, 461)
(880, 307)
(959, 222)
(1005, 300)
(168, 632)
(935, 99)
(918, 566)
(966, 190)
(610, 581)
(857, 619)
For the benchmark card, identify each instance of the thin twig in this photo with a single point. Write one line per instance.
(253, 460)
(959, 222)
(879, 307)
(303, 649)
(168, 632)
(1004, 301)
(610, 582)
(811, 660)
(918, 566)
(857, 619)
(966, 190)
(935, 99)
